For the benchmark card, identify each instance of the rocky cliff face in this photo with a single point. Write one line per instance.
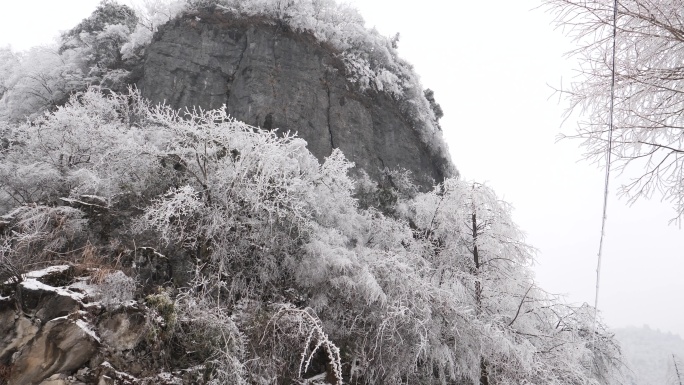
(269, 77)
(48, 328)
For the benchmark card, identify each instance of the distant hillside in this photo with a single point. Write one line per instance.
(649, 352)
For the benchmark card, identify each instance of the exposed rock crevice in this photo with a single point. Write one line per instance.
(330, 131)
(229, 78)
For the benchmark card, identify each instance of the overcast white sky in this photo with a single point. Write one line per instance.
(489, 64)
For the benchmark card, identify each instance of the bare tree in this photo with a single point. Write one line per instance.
(648, 88)
(675, 375)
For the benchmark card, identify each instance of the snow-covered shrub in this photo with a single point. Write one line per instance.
(162, 313)
(43, 78)
(116, 289)
(92, 145)
(98, 38)
(168, 214)
(41, 233)
(9, 271)
(40, 79)
(293, 323)
(210, 333)
(390, 194)
(150, 15)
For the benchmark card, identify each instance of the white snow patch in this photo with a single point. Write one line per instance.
(83, 285)
(119, 374)
(33, 284)
(169, 378)
(97, 198)
(96, 305)
(86, 327)
(131, 303)
(46, 271)
(10, 281)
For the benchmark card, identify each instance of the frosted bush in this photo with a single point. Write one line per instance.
(169, 215)
(116, 289)
(209, 331)
(151, 14)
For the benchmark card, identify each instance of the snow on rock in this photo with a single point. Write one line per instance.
(45, 302)
(169, 379)
(87, 202)
(48, 270)
(82, 285)
(88, 328)
(117, 374)
(49, 335)
(33, 284)
(94, 199)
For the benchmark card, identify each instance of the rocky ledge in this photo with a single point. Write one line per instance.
(67, 325)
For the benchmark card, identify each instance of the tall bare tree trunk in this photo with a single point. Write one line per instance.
(484, 377)
(679, 377)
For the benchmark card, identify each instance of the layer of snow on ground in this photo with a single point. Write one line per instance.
(33, 284)
(47, 270)
(83, 285)
(95, 198)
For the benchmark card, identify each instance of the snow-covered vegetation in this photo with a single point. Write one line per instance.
(285, 270)
(294, 272)
(629, 80)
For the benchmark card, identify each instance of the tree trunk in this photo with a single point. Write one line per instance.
(679, 377)
(484, 377)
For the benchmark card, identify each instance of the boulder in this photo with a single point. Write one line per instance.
(122, 329)
(63, 345)
(36, 299)
(15, 332)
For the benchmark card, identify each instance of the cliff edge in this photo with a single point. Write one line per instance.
(271, 77)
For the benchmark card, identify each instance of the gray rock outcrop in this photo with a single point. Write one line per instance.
(270, 77)
(52, 335)
(62, 346)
